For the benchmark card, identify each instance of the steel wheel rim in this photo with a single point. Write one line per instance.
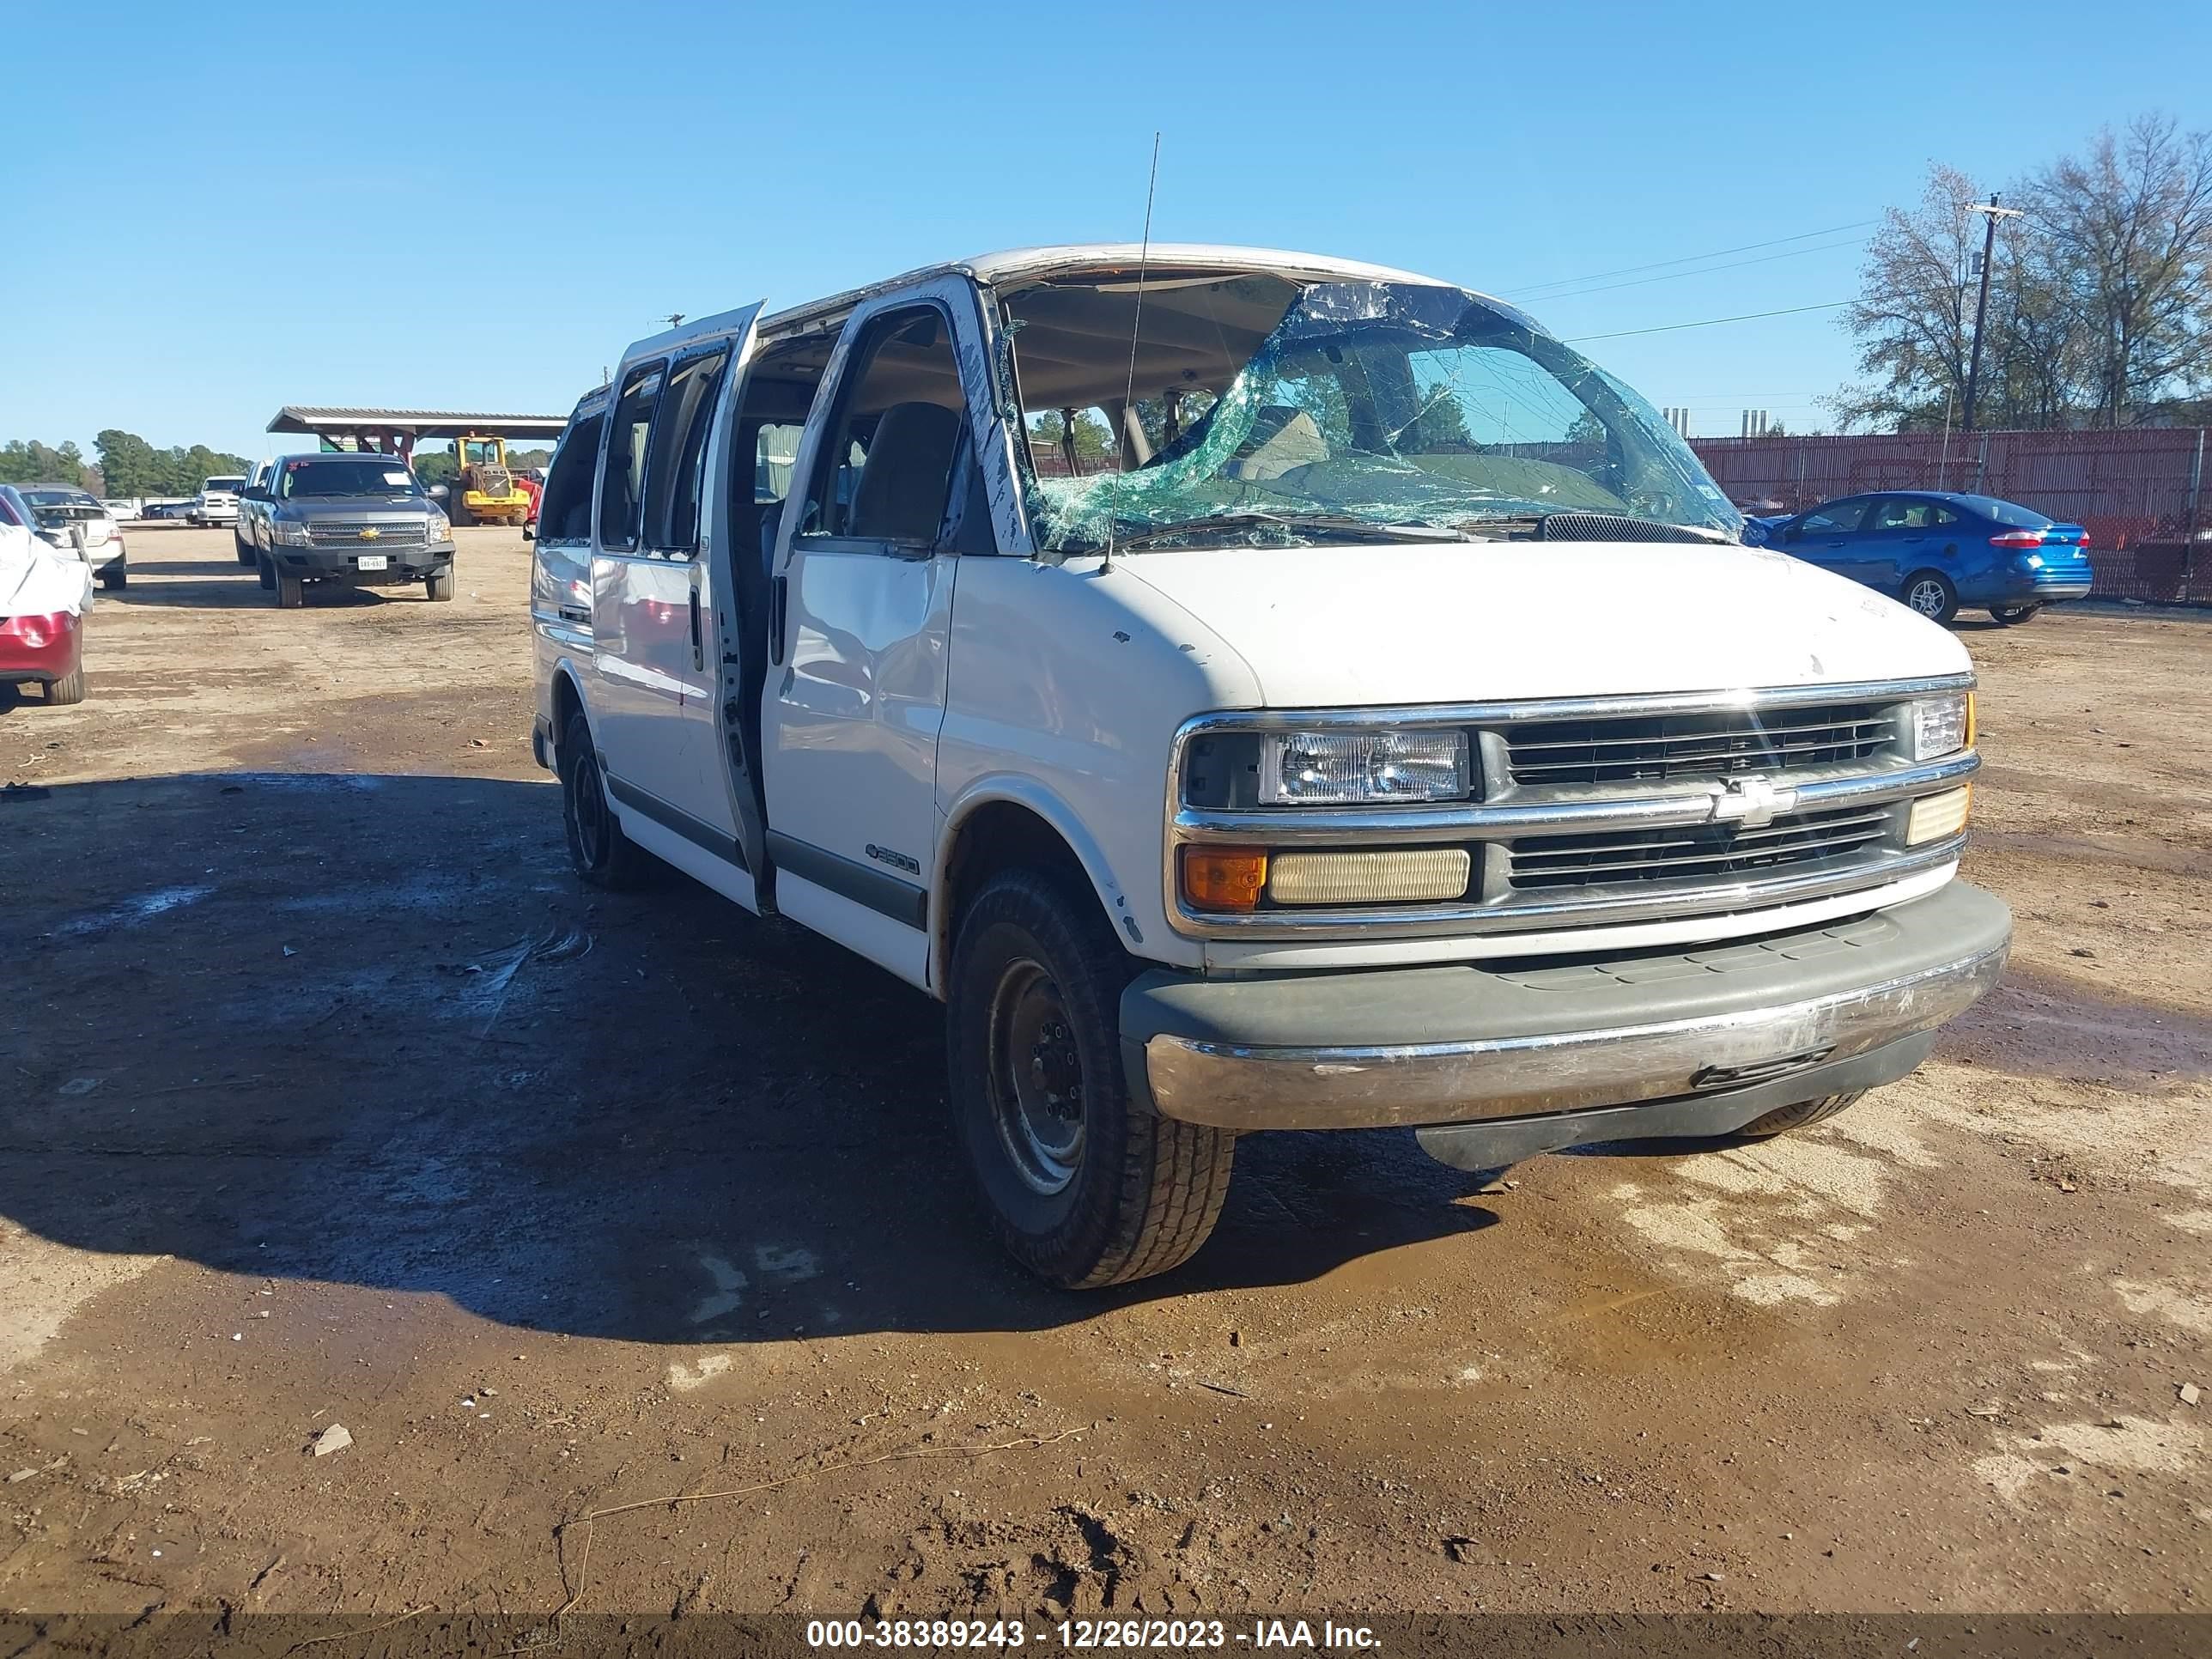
(1035, 1078)
(1927, 598)
(588, 809)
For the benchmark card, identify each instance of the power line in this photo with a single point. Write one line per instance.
(1692, 259)
(1705, 270)
(1712, 322)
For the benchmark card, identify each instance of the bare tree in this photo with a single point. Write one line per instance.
(2127, 233)
(1914, 317)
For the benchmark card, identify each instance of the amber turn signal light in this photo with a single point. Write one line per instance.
(1224, 878)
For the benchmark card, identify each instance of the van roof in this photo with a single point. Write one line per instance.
(1012, 263)
(1009, 264)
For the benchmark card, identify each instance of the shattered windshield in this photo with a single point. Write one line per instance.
(1268, 410)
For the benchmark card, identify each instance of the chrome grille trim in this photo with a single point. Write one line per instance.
(1600, 750)
(1555, 708)
(1853, 795)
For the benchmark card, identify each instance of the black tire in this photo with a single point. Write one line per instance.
(115, 580)
(245, 549)
(69, 688)
(602, 854)
(1803, 1114)
(457, 510)
(267, 571)
(2012, 615)
(1085, 1187)
(291, 591)
(1931, 593)
(439, 584)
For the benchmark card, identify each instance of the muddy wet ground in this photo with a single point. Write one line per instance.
(328, 1097)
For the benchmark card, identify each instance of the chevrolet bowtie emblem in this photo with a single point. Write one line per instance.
(1750, 802)
(370, 534)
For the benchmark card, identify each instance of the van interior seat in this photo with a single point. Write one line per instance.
(902, 485)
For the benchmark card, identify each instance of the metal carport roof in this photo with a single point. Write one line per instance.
(413, 424)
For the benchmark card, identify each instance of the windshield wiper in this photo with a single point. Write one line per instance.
(1333, 525)
(1536, 526)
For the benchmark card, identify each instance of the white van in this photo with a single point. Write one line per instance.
(1253, 691)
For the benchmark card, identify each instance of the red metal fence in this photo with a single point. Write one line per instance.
(2139, 492)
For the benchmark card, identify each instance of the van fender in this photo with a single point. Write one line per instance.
(1026, 792)
(565, 668)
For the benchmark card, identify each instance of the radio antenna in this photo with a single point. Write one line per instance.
(1136, 325)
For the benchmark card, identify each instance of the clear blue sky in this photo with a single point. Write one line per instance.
(222, 210)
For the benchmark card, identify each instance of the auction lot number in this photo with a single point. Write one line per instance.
(939, 1633)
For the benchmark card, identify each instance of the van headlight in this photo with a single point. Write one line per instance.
(1943, 725)
(1332, 769)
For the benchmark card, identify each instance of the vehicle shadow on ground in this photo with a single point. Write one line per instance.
(221, 586)
(369, 1030)
(168, 568)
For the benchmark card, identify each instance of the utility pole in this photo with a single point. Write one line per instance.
(1982, 305)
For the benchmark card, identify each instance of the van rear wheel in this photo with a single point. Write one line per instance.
(1085, 1186)
(602, 854)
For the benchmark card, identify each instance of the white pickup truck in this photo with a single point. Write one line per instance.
(1253, 691)
(218, 501)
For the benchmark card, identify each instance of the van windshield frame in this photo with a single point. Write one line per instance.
(1368, 406)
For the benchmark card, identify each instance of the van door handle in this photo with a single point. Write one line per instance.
(698, 650)
(779, 604)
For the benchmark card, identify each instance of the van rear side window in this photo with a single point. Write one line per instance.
(565, 514)
(672, 486)
(621, 489)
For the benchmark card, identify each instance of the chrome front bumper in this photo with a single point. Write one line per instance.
(1733, 1018)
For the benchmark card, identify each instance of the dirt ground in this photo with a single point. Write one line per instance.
(327, 1096)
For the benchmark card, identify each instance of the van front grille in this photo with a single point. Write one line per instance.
(1706, 851)
(1656, 748)
(1597, 811)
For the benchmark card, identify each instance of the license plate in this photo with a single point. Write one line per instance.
(373, 561)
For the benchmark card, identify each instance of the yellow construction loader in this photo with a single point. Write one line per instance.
(484, 490)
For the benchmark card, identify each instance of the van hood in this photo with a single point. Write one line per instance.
(1327, 626)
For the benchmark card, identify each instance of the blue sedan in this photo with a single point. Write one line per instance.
(1938, 551)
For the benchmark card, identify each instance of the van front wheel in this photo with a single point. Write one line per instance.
(1802, 1116)
(1085, 1186)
